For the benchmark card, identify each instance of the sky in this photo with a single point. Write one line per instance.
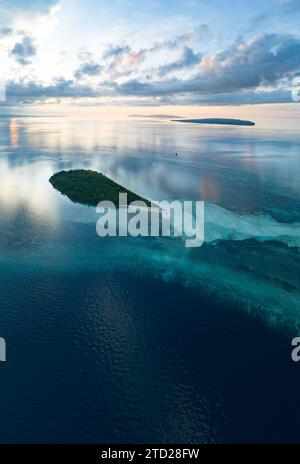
(150, 53)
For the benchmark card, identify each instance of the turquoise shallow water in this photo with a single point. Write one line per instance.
(123, 339)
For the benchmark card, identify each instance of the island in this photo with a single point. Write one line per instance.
(90, 187)
(231, 122)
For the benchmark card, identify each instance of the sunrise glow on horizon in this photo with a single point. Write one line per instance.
(135, 54)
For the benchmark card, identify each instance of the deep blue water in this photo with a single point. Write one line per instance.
(143, 340)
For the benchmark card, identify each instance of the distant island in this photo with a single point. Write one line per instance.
(156, 116)
(231, 122)
(90, 187)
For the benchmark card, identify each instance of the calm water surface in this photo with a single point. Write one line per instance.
(143, 340)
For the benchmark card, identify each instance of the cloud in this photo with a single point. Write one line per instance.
(261, 61)
(277, 9)
(30, 92)
(61, 88)
(123, 60)
(88, 69)
(203, 32)
(6, 31)
(200, 32)
(245, 97)
(116, 50)
(258, 70)
(173, 43)
(23, 51)
(189, 58)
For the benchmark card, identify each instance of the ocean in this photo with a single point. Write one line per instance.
(142, 340)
